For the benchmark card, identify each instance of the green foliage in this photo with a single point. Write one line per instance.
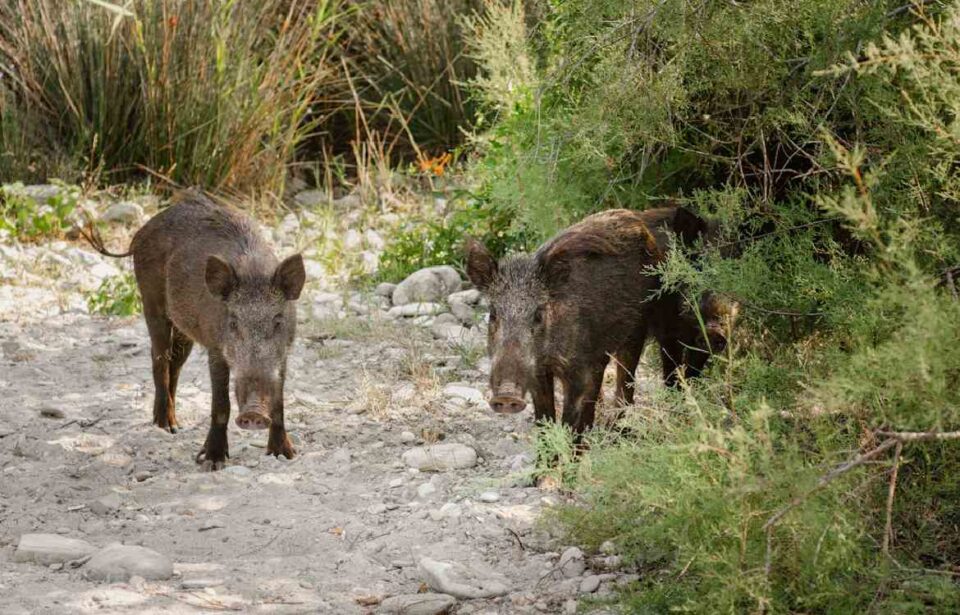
(823, 136)
(116, 296)
(425, 243)
(29, 217)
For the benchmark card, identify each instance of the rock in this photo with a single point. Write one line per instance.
(590, 584)
(415, 309)
(311, 198)
(352, 239)
(41, 193)
(124, 212)
(51, 412)
(446, 319)
(489, 497)
(408, 437)
(440, 457)
(468, 394)
(47, 549)
(450, 510)
(459, 581)
(106, 505)
(570, 607)
(463, 312)
(427, 285)
(377, 509)
(572, 563)
(454, 333)
(348, 201)
(385, 289)
(119, 562)
(314, 269)
(200, 583)
(468, 297)
(426, 490)
(418, 604)
(373, 240)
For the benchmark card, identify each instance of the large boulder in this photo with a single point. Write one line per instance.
(429, 285)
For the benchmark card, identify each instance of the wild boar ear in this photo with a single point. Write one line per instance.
(290, 277)
(688, 226)
(221, 278)
(481, 266)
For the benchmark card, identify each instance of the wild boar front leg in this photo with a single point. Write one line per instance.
(580, 395)
(278, 442)
(544, 404)
(215, 450)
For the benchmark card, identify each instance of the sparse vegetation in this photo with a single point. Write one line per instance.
(31, 216)
(116, 296)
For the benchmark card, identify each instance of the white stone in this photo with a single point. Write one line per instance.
(426, 490)
(469, 297)
(440, 457)
(417, 604)
(427, 285)
(119, 562)
(590, 584)
(47, 549)
(373, 239)
(459, 581)
(572, 563)
(352, 239)
(124, 212)
(415, 309)
(385, 289)
(463, 312)
(468, 394)
(489, 497)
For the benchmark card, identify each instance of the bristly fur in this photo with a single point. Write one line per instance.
(592, 237)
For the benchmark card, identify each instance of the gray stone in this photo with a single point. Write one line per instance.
(385, 289)
(489, 497)
(467, 394)
(47, 549)
(124, 212)
(459, 581)
(427, 285)
(117, 563)
(106, 505)
(426, 490)
(469, 297)
(450, 510)
(607, 547)
(463, 312)
(446, 319)
(373, 239)
(352, 239)
(572, 563)
(415, 309)
(453, 333)
(348, 201)
(418, 604)
(41, 193)
(311, 198)
(570, 607)
(238, 471)
(440, 457)
(590, 584)
(408, 437)
(200, 583)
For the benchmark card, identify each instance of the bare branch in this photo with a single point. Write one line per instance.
(888, 528)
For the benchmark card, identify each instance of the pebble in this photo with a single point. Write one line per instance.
(408, 437)
(572, 563)
(426, 490)
(441, 457)
(459, 581)
(51, 412)
(590, 584)
(489, 497)
(106, 505)
(200, 583)
(118, 562)
(418, 604)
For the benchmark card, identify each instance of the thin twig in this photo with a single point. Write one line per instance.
(888, 528)
(920, 436)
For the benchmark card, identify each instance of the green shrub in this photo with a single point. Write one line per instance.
(27, 216)
(823, 135)
(116, 296)
(209, 93)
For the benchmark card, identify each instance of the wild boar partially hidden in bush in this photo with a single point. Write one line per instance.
(687, 335)
(205, 275)
(562, 312)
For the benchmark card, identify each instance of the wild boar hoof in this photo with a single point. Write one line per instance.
(253, 420)
(213, 466)
(284, 448)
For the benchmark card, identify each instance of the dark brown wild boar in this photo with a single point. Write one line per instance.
(205, 275)
(687, 337)
(561, 312)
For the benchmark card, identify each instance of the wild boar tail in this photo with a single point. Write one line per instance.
(93, 237)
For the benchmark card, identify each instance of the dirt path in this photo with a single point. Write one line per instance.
(344, 525)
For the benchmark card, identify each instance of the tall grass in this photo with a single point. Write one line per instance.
(205, 92)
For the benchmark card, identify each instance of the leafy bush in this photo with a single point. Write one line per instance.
(822, 134)
(116, 296)
(30, 216)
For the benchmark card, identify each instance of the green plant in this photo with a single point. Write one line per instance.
(29, 215)
(116, 296)
(211, 93)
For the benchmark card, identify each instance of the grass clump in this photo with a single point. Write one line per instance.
(43, 212)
